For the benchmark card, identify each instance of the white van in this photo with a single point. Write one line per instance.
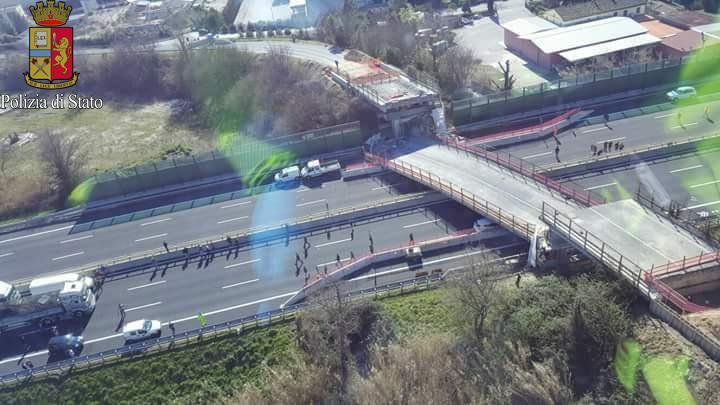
(288, 175)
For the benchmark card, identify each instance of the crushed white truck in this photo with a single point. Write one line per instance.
(50, 300)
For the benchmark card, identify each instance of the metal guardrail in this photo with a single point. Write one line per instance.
(551, 124)
(263, 319)
(159, 257)
(673, 296)
(465, 197)
(644, 149)
(529, 171)
(689, 220)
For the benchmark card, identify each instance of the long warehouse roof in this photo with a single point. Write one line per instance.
(582, 35)
(529, 25)
(604, 48)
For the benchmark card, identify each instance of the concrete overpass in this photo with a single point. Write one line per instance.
(397, 98)
(622, 236)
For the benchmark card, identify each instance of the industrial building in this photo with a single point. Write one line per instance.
(547, 46)
(577, 13)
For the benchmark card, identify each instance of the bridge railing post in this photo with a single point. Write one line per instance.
(602, 252)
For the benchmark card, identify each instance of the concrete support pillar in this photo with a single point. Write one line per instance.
(397, 128)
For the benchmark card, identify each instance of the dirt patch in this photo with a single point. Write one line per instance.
(657, 337)
(708, 322)
(356, 56)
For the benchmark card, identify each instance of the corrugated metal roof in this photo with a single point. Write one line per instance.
(526, 26)
(575, 11)
(581, 35)
(297, 3)
(712, 30)
(609, 47)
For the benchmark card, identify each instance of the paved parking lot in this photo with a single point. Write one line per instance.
(485, 37)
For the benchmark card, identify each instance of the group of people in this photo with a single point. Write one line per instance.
(607, 147)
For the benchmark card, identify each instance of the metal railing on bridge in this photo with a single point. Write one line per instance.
(529, 171)
(519, 227)
(610, 258)
(688, 219)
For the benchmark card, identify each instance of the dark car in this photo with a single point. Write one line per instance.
(65, 345)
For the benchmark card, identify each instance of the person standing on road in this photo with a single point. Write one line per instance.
(171, 325)
(121, 308)
(165, 245)
(412, 239)
(352, 232)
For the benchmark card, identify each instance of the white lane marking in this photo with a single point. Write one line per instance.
(332, 262)
(235, 205)
(225, 221)
(239, 284)
(7, 254)
(601, 186)
(386, 186)
(151, 237)
(536, 155)
(611, 140)
(154, 304)
(595, 130)
(311, 202)
(189, 318)
(247, 304)
(155, 222)
(692, 207)
(441, 260)
(70, 255)
(421, 223)
(303, 190)
(686, 169)
(230, 266)
(705, 184)
(684, 125)
(36, 234)
(333, 242)
(76, 239)
(147, 285)
(657, 117)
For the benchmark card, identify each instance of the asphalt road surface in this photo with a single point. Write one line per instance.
(691, 179)
(43, 250)
(258, 279)
(634, 132)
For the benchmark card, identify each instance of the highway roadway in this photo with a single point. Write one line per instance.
(43, 250)
(634, 132)
(690, 179)
(259, 279)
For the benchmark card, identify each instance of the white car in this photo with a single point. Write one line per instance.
(482, 224)
(142, 329)
(681, 93)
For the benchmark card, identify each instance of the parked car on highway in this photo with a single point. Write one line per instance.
(681, 93)
(482, 224)
(141, 329)
(65, 346)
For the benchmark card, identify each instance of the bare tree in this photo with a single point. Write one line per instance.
(455, 69)
(474, 291)
(64, 158)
